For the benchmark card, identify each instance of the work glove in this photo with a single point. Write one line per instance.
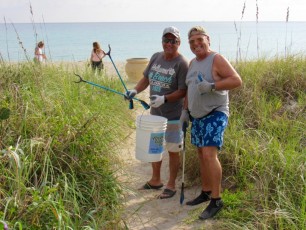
(184, 118)
(157, 101)
(204, 86)
(130, 94)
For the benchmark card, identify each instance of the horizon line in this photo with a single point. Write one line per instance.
(150, 21)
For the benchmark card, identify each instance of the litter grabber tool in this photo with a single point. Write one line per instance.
(143, 103)
(131, 106)
(184, 128)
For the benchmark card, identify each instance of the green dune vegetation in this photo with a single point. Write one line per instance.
(58, 149)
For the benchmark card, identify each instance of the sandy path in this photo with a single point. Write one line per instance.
(143, 211)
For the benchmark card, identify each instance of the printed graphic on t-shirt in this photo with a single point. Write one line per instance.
(160, 78)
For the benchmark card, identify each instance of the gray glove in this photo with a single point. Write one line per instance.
(204, 87)
(184, 118)
(157, 100)
(130, 94)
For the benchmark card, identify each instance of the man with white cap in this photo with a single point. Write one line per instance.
(166, 75)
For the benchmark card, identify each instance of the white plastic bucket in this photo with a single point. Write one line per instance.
(150, 137)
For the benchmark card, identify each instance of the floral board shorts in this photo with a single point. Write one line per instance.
(209, 130)
(174, 136)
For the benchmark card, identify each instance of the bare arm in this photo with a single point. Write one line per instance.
(185, 105)
(103, 54)
(142, 84)
(176, 95)
(224, 74)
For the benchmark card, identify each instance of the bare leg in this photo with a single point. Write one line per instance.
(155, 179)
(174, 164)
(204, 172)
(209, 159)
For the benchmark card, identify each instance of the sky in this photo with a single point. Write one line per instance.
(17, 11)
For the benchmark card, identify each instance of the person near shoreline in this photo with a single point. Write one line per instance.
(210, 77)
(40, 57)
(166, 75)
(97, 54)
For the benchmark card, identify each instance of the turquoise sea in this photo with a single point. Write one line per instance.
(73, 41)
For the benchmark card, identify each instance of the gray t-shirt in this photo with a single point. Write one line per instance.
(165, 77)
(201, 105)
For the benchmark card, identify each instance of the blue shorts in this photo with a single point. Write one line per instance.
(209, 130)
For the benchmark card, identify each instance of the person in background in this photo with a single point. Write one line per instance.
(210, 77)
(39, 55)
(97, 54)
(166, 75)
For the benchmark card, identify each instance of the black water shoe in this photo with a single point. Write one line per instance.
(212, 209)
(203, 197)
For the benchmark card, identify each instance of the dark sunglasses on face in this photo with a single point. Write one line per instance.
(172, 41)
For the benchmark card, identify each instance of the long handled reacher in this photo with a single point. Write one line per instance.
(131, 106)
(184, 157)
(143, 103)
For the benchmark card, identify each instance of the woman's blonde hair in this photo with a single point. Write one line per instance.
(96, 46)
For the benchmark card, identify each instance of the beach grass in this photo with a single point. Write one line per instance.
(58, 148)
(59, 154)
(264, 154)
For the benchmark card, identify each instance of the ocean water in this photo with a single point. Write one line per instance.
(73, 41)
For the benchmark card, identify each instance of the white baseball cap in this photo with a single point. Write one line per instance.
(172, 30)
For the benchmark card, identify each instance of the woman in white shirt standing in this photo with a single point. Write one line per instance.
(39, 55)
(97, 54)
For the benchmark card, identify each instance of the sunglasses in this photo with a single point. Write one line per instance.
(171, 41)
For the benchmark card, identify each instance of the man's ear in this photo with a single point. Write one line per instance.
(208, 39)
